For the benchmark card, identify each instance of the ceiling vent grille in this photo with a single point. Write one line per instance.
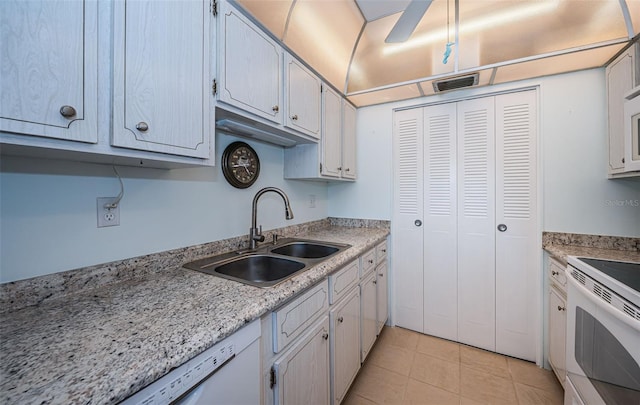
(457, 82)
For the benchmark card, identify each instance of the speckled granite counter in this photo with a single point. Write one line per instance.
(100, 345)
(561, 245)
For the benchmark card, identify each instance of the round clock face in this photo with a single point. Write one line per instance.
(240, 165)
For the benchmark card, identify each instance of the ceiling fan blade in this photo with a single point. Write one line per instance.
(408, 21)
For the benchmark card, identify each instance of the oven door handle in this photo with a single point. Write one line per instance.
(615, 312)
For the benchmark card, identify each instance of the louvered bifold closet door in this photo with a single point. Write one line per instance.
(476, 223)
(440, 239)
(407, 217)
(516, 208)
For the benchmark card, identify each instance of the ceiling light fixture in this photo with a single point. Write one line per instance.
(493, 20)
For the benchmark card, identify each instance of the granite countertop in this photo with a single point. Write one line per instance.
(100, 346)
(561, 252)
(561, 245)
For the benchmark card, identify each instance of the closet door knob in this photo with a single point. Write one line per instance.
(67, 111)
(417, 222)
(294, 117)
(502, 227)
(142, 126)
(275, 108)
(325, 336)
(341, 319)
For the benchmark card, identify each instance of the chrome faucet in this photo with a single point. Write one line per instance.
(255, 234)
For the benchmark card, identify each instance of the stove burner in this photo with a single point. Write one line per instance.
(626, 273)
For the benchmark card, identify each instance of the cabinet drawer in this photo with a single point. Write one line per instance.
(367, 262)
(556, 272)
(342, 281)
(381, 251)
(292, 319)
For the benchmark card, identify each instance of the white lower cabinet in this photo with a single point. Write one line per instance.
(302, 372)
(345, 344)
(382, 296)
(368, 308)
(557, 320)
(313, 345)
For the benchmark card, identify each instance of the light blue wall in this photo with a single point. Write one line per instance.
(577, 196)
(48, 210)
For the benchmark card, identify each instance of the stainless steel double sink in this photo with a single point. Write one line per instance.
(269, 264)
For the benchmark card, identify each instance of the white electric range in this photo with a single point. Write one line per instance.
(603, 332)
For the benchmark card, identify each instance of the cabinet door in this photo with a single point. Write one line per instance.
(407, 220)
(619, 81)
(382, 296)
(292, 319)
(302, 373)
(303, 98)
(557, 333)
(368, 308)
(250, 66)
(349, 163)
(345, 344)
(331, 133)
(161, 76)
(440, 221)
(518, 254)
(476, 223)
(48, 60)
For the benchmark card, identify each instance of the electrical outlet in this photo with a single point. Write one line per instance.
(108, 216)
(312, 201)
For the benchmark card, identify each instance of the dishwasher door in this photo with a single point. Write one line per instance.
(227, 373)
(235, 383)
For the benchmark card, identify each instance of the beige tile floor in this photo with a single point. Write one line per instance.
(407, 367)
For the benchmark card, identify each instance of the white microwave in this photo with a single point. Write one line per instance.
(632, 131)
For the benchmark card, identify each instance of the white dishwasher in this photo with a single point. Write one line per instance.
(227, 373)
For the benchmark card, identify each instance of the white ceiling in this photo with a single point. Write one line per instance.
(502, 40)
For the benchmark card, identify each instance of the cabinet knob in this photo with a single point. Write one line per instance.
(341, 319)
(340, 168)
(294, 117)
(384, 250)
(370, 261)
(502, 227)
(347, 169)
(325, 336)
(381, 274)
(375, 282)
(142, 126)
(554, 273)
(67, 111)
(275, 108)
(417, 222)
(561, 308)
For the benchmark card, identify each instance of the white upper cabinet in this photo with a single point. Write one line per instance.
(331, 134)
(250, 66)
(335, 157)
(48, 60)
(162, 91)
(620, 79)
(302, 96)
(348, 141)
